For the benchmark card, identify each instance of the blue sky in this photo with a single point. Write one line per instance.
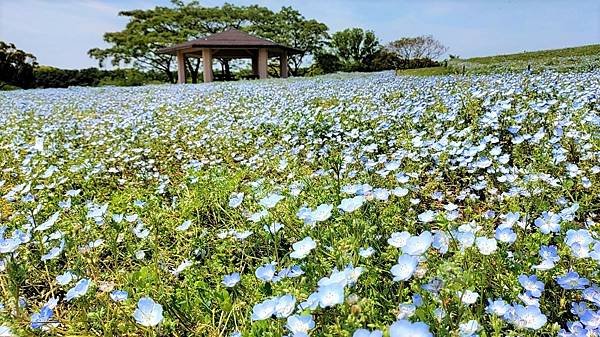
(60, 32)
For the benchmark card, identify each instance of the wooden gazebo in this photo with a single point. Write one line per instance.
(230, 44)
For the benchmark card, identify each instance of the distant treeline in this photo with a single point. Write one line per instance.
(49, 77)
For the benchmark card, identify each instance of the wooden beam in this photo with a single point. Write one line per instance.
(255, 65)
(263, 56)
(207, 63)
(283, 65)
(180, 67)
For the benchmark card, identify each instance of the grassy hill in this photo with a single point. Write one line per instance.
(566, 59)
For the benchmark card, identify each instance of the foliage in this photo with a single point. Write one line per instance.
(145, 33)
(50, 77)
(415, 49)
(16, 66)
(354, 47)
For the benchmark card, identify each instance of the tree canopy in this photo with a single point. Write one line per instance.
(415, 48)
(16, 66)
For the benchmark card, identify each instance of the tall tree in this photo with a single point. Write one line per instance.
(355, 47)
(146, 32)
(417, 48)
(290, 28)
(16, 66)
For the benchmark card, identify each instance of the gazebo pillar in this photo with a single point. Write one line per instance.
(263, 55)
(180, 67)
(207, 63)
(255, 65)
(283, 65)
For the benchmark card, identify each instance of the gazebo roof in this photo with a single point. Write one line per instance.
(231, 38)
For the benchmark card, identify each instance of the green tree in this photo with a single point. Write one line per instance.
(290, 28)
(355, 47)
(417, 50)
(16, 66)
(146, 32)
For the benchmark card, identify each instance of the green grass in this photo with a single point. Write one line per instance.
(431, 71)
(584, 58)
(589, 50)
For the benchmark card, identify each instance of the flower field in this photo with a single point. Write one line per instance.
(345, 205)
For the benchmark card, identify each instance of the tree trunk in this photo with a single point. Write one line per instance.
(227, 72)
(170, 76)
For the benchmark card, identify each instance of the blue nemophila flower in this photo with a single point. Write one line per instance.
(366, 252)
(406, 310)
(184, 226)
(549, 255)
(400, 191)
(579, 241)
(399, 239)
(468, 329)
(592, 294)
(265, 272)
(182, 266)
(322, 212)
(270, 201)
(352, 204)
(465, 236)
(427, 216)
(591, 319)
(264, 310)
(78, 290)
(381, 194)
(65, 278)
(418, 245)
(5, 331)
(273, 228)
(54, 252)
(285, 306)
(42, 318)
(367, 333)
(291, 272)
(532, 285)
(257, 216)
(506, 235)
(140, 231)
(404, 328)
(548, 222)
(417, 300)
(467, 297)
(441, 241)
(302, 248)
(571, 280)
(330, 295)
(529, 317)
(497, 307)
(119, 295)
(578, 308)
(48, 223)
(405, 268)
(300, 323)
(485, 245)
(236, 200)
(148, 312)
(232, 279)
